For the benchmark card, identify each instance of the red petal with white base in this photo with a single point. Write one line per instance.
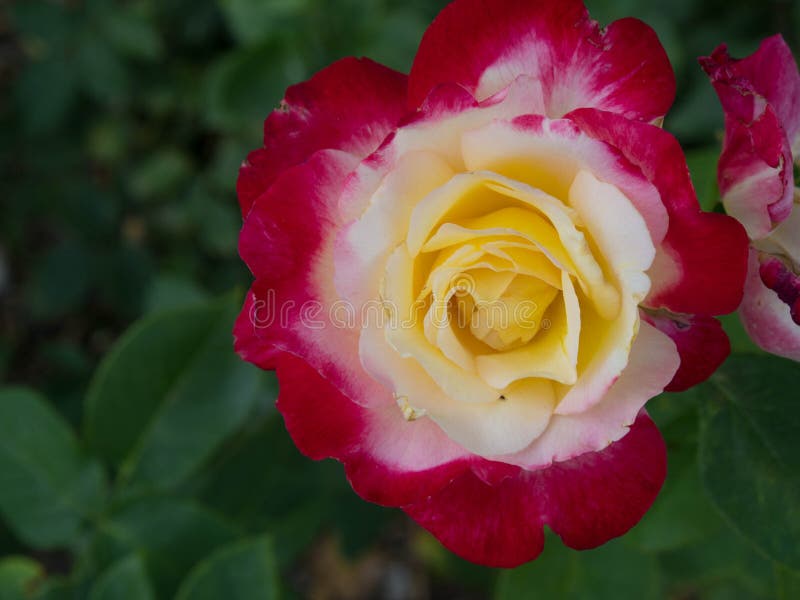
(388, 460)
(484, 45)
(760, 95)
(701, 264)
(287, 241)
(767, 318)
(701, 342)
(587, 501)
(352, 105)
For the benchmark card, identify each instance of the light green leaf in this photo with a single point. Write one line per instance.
(18, 577)
(242, 571)
(750, 451)
(169, 393)
(124, 580)
(47, 487)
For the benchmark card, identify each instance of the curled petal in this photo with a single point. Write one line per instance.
(351, 106)
(702, 344)
(767, 318)
(621, 68)
(760, 95)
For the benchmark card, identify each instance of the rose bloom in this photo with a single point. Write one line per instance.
(471, 279)
(761, 98)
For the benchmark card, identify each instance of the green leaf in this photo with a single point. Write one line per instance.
(102, 73)
(45, 93)
(242, 87)
(242, 571)
(750, 451)
(124, 580)
(787, 583)
(132, 35)
(160, 175)
(681, 514)
(59, 281)
(614, 571)
(287, 494)
(18, 577)
(169, 393)
(712, 566)
(47, 487)
(167, 292)
(172, 535)
(740, 341)
(252, 21)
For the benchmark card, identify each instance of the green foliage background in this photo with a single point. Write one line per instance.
(139, 458)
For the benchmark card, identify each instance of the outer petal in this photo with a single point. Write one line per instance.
(622, 68)
(587, 501)
(701, 342)
(352, 105)
(701, 264)
(287, 241)
(766, 317)
(761, 98)
(388, 460)
(770, 72)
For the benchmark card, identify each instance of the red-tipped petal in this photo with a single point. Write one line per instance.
(484, 45)
(701, 342)
(702, 262)
(586, 500)
(352, 105)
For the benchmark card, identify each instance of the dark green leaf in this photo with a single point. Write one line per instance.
(159, 175)
(45, 93)
(614, 571)
(244, 86)
(124, 580)
(132, 35)
(681, 513)
(169, 393)
(47, 488)
(252, 21)
(749, 453)
(242, 571)
(172, 535)
(60, 281)
(787, 583)
(714, 565)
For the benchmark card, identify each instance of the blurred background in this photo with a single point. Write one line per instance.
(139, 458)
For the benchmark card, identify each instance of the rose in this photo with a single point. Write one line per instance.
(471, 280)
(761, 99)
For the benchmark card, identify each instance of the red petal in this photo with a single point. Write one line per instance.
(701, 342)
(760, 95)
(586, 500)
(388, 460)
(484, 45)
(702, 262)
(352, 105)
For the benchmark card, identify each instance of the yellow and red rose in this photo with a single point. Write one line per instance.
(471, 279)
